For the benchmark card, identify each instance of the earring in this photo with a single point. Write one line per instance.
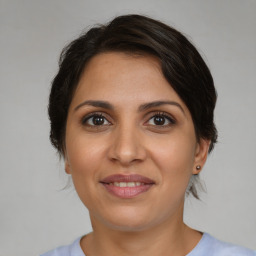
(198, 167)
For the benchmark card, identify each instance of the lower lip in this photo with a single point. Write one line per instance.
(127, 192)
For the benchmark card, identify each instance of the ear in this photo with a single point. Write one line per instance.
(67, 166)
(201, 154)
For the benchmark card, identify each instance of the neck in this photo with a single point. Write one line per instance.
(172, 237)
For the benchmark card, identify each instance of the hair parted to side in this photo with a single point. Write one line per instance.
(181, 64)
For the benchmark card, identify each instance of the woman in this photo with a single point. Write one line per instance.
(131, 112)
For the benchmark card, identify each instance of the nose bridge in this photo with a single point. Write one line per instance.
(127, 145)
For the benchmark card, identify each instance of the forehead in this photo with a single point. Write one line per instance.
(124, 79)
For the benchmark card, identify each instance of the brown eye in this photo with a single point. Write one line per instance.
(98, 120)
(161, 120)
(95, 120)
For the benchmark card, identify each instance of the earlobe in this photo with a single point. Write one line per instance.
(67, 167)
(201, 155)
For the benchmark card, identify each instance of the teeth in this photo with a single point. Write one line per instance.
(131, 184)
(122, 184)
(126, 184)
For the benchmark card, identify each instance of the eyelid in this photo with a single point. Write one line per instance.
(149, 116)
(166, 115)
(86, 117)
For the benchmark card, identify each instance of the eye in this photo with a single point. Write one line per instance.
(161, 119)
(95, 120)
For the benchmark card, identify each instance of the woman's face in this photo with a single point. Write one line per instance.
(130, 143)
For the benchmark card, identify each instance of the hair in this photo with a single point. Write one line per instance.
(181, 65)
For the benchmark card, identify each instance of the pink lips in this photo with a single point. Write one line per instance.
(127, 186)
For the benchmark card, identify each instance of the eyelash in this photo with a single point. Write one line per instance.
(164, 115)
(170, 119)
(92, 115)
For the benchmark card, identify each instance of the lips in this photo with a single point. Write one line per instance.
(127, 186)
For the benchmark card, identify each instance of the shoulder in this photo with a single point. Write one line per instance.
(211, 246)
(73, 249)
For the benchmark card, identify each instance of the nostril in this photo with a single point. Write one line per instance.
(126, 147)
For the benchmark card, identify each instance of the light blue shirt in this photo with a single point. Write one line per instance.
(207, 246)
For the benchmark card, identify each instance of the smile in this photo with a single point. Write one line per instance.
(127, 186)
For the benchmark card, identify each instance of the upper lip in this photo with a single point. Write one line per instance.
(127, 178)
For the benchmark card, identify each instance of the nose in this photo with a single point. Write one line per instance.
(127, 146)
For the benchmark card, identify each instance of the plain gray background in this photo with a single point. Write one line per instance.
(36, 215)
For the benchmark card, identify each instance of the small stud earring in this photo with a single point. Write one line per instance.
(198, 167)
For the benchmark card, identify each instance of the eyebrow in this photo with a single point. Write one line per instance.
(143, 107)
(95, 103)
(160, 103)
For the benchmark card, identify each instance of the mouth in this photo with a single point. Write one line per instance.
(127, 186)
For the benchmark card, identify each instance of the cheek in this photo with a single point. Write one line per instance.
(84, 157)
(174, 156)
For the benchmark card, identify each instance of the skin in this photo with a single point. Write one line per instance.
(129, 141)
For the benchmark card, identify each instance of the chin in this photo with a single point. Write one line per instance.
(131, 226)
(129, 220)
